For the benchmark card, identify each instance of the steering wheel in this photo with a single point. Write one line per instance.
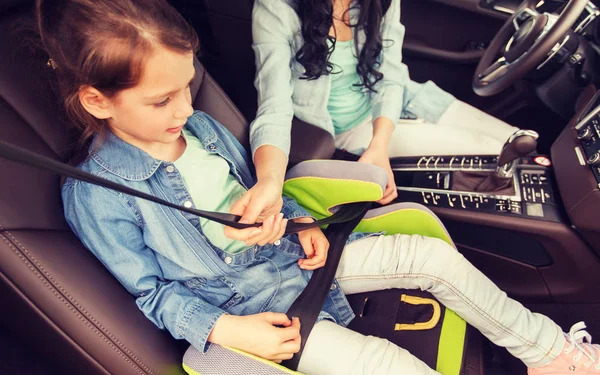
(522, 43)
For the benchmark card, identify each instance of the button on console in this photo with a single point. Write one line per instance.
(594, 159)
(585, 134)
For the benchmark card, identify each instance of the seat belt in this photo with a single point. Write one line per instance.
(307, 305)
(23, 156)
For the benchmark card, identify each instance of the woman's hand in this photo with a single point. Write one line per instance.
(264, 198)
(374, 156)
(315, 246)
(377, 154)
(262, 201)
(268, 335)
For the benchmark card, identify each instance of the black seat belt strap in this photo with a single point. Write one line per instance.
(309, 303)
(33, 159)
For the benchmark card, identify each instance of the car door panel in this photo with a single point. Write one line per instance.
(445, 40)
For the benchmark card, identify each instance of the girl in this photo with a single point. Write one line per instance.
(337, 64)
(125, 68)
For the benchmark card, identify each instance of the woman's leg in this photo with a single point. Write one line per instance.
(462, 130)
(464, 116)
(332, 349)
(416, 262)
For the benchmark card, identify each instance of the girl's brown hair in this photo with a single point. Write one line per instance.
(103, 44)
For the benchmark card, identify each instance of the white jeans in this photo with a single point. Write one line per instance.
(416, 262)
(462, 130)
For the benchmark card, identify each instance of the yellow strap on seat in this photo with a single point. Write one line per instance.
(420, 326)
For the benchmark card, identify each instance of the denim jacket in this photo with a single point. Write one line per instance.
(180, 281)
(282, 94)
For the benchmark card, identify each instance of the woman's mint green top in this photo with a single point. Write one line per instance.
(284, 93)
(348, 105)
(212, 187)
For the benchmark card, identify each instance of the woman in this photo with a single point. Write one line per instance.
(339, 66)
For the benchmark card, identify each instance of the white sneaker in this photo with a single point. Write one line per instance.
(579, 356)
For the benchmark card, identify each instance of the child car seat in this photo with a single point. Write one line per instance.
(411, 319)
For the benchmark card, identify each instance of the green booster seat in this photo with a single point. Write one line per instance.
(411, 319)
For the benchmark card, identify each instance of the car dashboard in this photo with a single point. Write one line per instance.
(576, 158)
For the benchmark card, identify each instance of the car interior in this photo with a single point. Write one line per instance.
(528, 218)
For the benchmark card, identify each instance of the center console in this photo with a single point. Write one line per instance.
(431, 180)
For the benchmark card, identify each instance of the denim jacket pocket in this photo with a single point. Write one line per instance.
(234, 300)
(218, 292)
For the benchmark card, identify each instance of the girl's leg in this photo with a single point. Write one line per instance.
(332, 349)
(416, 262)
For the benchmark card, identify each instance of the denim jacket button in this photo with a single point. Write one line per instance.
(333, 287)
(228, 260)
(255, 249)
(211, 147)
(187, 204)
(277, 243)
(170, 169)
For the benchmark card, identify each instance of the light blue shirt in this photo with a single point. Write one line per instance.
(348, 104)
(282, 94)
(179, 279)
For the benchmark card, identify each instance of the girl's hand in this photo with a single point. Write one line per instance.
(262, 202)
(272, 229)
(268, 335)
(315, 246)
(374, 156)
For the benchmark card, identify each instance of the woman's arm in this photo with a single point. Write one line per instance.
(271, 34)
(387, 102)
(265, 197)
(389, 99)
(270, 132)
(377, 154)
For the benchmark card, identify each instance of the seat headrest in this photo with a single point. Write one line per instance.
(29, 85)
(32, 117)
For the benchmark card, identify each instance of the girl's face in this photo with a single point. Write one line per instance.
(152, 114)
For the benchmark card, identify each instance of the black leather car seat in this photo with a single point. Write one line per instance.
(53, 291)
(230, 25)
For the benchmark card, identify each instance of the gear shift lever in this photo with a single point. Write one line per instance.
(520, 144)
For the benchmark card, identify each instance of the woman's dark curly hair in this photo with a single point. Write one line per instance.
(316, 17)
